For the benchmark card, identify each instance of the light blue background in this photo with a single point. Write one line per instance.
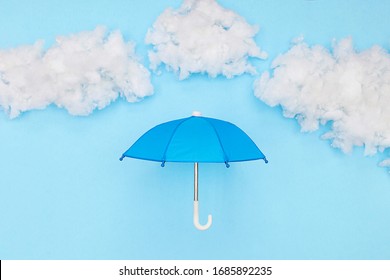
(65, 195)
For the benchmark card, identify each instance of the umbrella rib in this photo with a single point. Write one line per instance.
(220, 142)
(170, 140)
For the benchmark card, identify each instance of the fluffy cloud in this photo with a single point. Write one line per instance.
(350, 89)
(80, 73)
(385, 163)
(203, 37)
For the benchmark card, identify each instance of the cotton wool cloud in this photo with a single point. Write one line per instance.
(348, 88)
(80, 72)
(203, 37)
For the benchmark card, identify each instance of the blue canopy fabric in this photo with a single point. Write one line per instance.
(195, 139)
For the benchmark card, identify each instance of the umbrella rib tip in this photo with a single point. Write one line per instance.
(122, 157)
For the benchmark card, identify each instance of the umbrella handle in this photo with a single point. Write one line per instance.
(196, 218)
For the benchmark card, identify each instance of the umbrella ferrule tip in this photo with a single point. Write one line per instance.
(196, 114)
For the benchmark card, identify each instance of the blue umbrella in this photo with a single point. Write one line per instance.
(195, 139)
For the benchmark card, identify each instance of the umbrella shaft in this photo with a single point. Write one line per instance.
(195, 181)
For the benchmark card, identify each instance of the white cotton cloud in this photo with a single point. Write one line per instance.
(350, 89)
(80, 73)
(203, 37)
(385, 163)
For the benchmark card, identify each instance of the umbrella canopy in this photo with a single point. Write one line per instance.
(195, 139)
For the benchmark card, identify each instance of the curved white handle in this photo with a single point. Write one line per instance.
(196, 218)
